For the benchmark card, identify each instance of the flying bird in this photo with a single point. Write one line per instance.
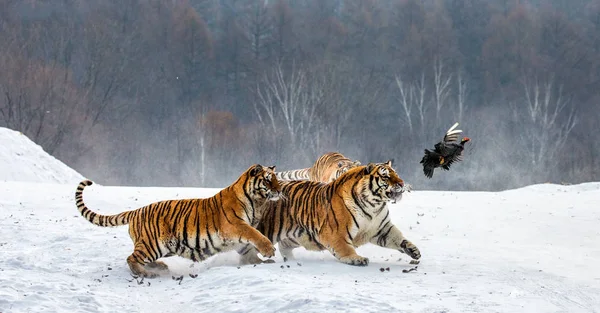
(445, 152)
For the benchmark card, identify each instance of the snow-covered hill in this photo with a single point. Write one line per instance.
(23, 160)
(533, 249)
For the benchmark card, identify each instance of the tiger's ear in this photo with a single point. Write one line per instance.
(369, 168)
(272, 168)
(357, 162)
(256, 169)
(389, 162)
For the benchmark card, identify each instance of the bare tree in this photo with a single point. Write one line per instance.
(104, 63)
(551, 118)
(461, 96)
(258, 25)
(441, 83)
(406, 101)
(202, 135)
(412, 97)
(190, 52)
(346, 87)
(417, 101)
(290, 99)
(283, 37)
(36, 103)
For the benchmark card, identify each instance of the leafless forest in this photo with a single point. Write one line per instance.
(192, 92)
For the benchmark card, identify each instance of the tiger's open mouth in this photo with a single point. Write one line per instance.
(395, 194)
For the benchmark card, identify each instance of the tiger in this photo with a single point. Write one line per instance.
(338, 216)
(326, 168)
(195, 228)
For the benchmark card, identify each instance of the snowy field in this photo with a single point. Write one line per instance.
(534, 249)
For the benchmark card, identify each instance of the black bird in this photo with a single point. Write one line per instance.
(445, 152)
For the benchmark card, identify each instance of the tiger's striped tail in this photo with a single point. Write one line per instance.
(301, 174)
(95, 218)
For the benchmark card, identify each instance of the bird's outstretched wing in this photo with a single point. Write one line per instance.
(457, 156)
(452, 133)
(448, 163)
(451, 136)
(428, 162)
(428, 171)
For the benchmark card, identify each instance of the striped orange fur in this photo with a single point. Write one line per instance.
(338, 216)
(195, 228)
(326, 168)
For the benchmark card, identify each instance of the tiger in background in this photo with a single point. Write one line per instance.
(328, 167)
(338, 216)
(195, 228)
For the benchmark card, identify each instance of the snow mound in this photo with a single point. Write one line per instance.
(550, 187)
(23, 160)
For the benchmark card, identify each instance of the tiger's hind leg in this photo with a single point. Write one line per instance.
(160, 265)
(286, 247)
(138, 266)
(143, 263)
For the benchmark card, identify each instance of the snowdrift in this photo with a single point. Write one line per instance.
(531, 249)
(23, 160)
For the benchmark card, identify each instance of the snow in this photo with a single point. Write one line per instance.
(533, 249)
(23, 160)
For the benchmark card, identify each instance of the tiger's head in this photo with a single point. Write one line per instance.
(262, 183)
(383, 183)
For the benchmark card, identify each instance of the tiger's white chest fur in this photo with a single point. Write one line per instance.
(369, 220)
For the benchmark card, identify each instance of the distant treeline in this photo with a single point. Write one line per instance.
(190, 93)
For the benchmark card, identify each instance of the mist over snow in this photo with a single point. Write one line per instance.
(532, 249)
(23, 160)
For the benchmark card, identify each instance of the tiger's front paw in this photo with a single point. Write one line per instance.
(410, 249)
(267, 249)
(356, 260)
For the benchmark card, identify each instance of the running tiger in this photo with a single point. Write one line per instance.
(328, 167)
(195, 228)
(339, 216)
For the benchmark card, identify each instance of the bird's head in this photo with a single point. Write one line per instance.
(465, 140)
